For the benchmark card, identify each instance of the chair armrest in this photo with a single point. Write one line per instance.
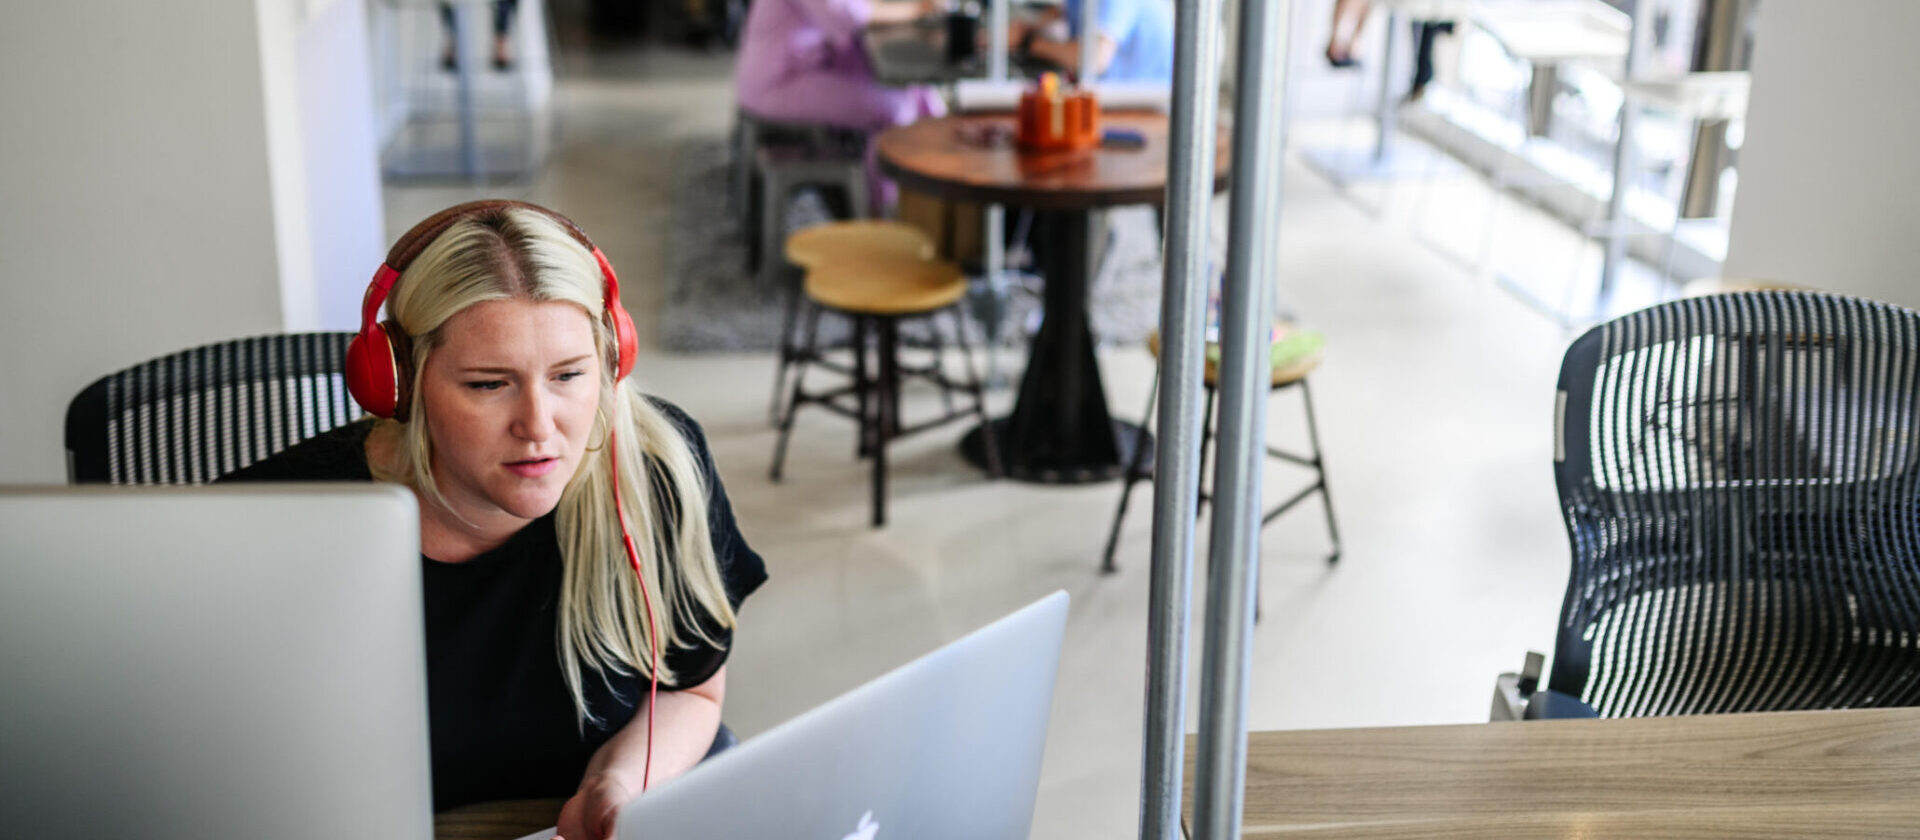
(1512, 690)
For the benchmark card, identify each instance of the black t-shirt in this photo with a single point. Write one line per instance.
(503, 723)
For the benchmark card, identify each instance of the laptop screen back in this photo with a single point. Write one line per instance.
(212, 663)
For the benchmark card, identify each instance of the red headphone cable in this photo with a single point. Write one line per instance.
(653, 630)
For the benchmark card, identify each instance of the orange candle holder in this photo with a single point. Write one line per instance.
(1052, 120)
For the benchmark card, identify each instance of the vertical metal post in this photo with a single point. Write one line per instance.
(1615, 253)
(1723, 43)
(1089, 41)
(1190, 169)
(1245, 371)
(466, 58)
(996, 221)
(1383, 111)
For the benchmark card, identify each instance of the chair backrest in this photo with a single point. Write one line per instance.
(193, 416)
(1738, 476)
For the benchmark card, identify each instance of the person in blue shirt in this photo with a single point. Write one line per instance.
(1134, 43)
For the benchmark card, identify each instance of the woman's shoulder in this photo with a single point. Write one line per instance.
(338, 454)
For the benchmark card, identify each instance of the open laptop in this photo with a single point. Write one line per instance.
(212, 663)
(946, 746)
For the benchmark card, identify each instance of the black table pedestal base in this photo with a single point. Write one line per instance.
(1020, 466)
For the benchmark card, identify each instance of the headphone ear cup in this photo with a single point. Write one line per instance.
(627, 341)
(370, 374)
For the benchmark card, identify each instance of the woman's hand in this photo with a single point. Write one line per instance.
(589, 815)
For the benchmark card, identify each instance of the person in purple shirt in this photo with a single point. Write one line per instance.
(801, 61)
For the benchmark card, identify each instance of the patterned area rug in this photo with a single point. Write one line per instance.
(715, 304)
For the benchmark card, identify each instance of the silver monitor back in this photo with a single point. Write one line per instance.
(946, 746)
(212, 663)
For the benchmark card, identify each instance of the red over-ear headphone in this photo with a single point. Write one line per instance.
(379, 370)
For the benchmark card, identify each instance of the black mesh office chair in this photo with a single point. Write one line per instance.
(1738, 477)
(193, 416)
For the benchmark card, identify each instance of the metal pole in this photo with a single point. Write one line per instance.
(1089, 41)
(1614, 255)
(1190, 167)
(465, 58)
(1724, 43)
(1245, 371)
(997, 39)
(1383, 110)
(996, 220)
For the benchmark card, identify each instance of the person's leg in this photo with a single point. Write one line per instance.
(1348, 17)
(502, 25)
(446, 25)
(1425, 32)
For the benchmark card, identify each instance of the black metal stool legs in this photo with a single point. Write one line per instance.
(886, 411)
(874, 393)
(976, 387)
(1137, 471)
(1320, 470)
(1134, 472)
(789, 349)
(798, 395)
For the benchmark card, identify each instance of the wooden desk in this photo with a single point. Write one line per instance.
(1785, 774)
(504, 820)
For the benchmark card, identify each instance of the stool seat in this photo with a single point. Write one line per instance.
(886, 284)
(851, 240)
(1297, 352)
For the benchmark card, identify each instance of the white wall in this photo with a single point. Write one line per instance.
(1829, 181)
(340, 146)
(154, 174)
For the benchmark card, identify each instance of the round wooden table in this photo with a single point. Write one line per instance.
(1060, 431)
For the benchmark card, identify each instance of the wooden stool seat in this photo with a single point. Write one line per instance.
(1286, 372)
(886, 284)
(853, 240)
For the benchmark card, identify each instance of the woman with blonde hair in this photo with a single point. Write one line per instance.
(581, 563)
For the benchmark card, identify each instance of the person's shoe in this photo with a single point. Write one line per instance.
(1341, 62)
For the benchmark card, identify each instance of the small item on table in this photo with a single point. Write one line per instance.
(984, 135)
(1122, 138)
(1056, 120)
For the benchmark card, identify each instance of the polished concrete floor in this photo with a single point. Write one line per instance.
(1435, 404)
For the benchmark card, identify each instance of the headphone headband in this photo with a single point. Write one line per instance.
(378, 373)
(408, 247)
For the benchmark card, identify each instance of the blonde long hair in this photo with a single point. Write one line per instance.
(518, 253)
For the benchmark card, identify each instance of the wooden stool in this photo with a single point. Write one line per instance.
(831, 242)
(876, 291)
(1291, 371)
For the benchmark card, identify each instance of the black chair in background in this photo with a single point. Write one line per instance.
(1740, 479)
(193, 416)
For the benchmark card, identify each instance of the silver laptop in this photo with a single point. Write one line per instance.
(946, 746)
(212, 663)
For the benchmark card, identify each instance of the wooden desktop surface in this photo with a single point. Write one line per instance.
(1785, 774)
(503, 820)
